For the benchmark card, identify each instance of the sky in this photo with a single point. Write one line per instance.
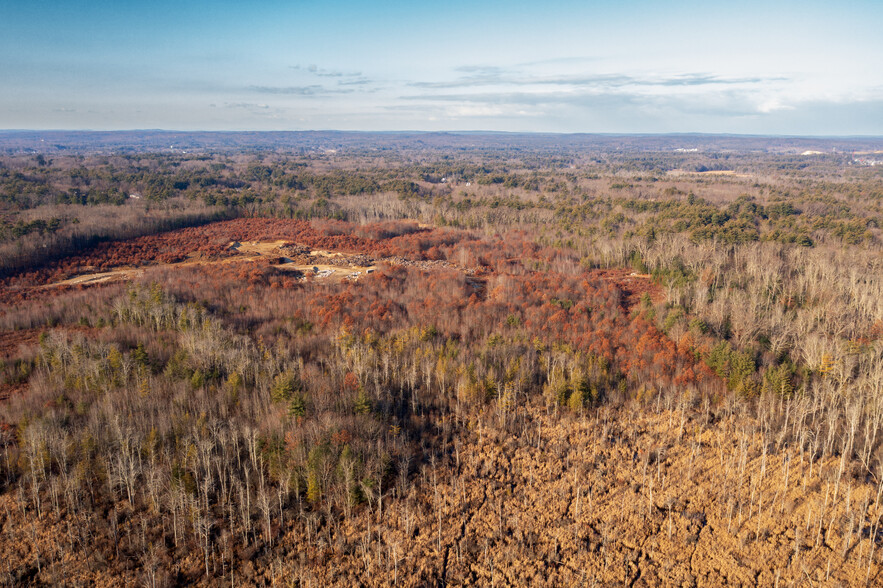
(772, 67)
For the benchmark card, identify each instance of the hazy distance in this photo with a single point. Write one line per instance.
(796, 68)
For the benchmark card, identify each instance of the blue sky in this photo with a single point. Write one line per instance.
(773, 67)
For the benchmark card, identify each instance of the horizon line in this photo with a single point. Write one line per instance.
(452, 132)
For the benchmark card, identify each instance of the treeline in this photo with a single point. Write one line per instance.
(93, 228)
(588, 189)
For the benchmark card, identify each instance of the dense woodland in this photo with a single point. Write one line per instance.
(673, 351)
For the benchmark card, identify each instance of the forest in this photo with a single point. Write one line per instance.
(431, 360)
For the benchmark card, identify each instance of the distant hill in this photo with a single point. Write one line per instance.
(304, 141)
